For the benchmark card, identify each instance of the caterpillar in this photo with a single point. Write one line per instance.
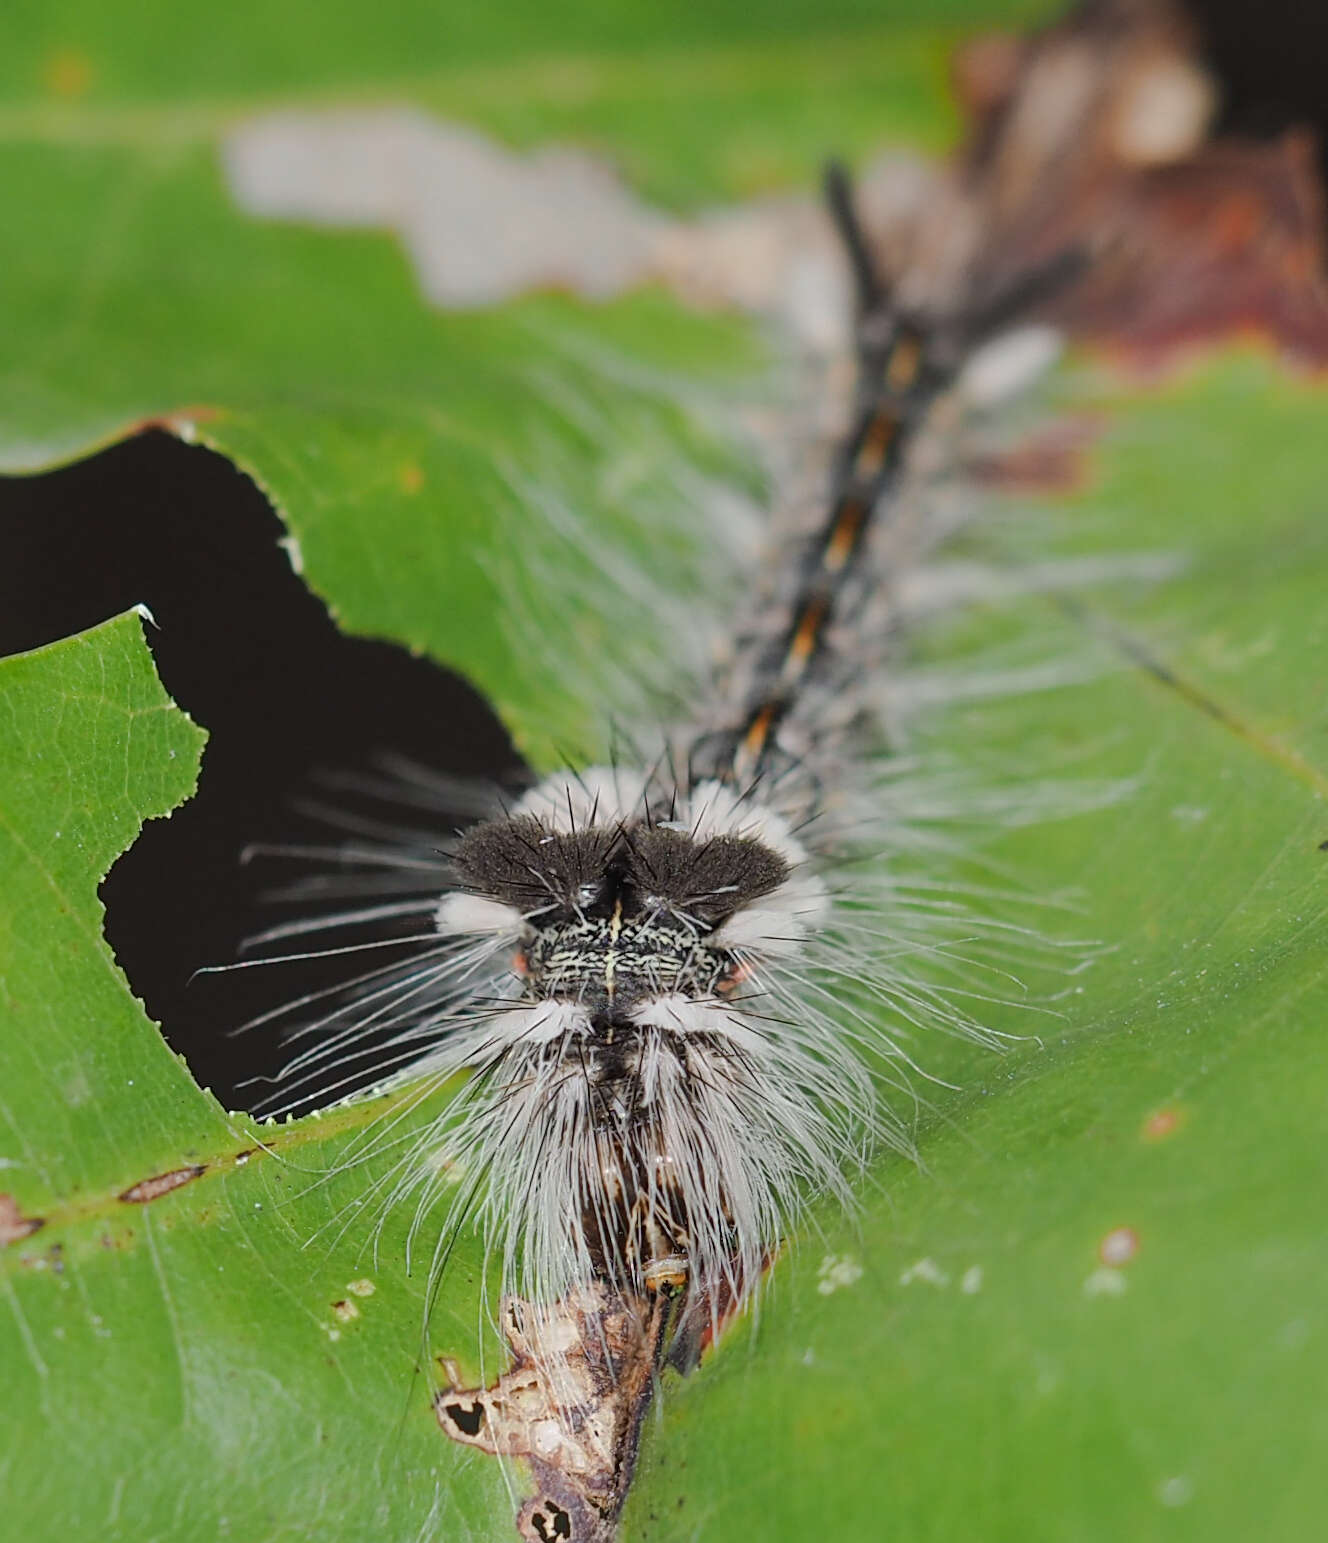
(674, 990)
(652, 978)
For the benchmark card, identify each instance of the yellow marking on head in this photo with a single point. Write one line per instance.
(611, 956)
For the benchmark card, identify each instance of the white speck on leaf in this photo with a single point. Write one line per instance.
(1105, 1283)
(1189, 814)
(1175, 1491)
(837, 1270)
(77, 1090)
(1294, 1334)
(927, 1271)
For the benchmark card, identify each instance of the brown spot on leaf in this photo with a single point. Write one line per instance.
(410, 477)
(13, 1224)
(68, 74)
(161, 1184)
(1118, 1247)
(1162, 1123)
(1052, 460)
(182, 422)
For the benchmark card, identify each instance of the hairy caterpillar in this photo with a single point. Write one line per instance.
(651, 970)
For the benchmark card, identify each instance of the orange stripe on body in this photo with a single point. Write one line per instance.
(875, 442)
(847, 528)
(902, 369)
(758, 731)
(805, 638)
(849, 523)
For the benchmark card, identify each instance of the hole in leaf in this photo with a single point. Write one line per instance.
(468, 1418)
(247, 649)
(551, 1524)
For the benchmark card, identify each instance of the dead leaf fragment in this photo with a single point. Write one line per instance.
(571, 1404)
(161, 1184)
(1094, 135)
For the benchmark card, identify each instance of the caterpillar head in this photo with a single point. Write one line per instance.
(615, 917)
(637, 942)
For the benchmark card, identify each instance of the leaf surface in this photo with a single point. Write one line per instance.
(1095, 1313)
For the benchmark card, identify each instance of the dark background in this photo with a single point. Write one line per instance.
(251, 654)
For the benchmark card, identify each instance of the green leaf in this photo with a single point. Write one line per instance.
(305, 355)
(991, 1372)
(223, 1355)
(204, 1364)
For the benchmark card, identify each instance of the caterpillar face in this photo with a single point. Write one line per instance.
(616, 916)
